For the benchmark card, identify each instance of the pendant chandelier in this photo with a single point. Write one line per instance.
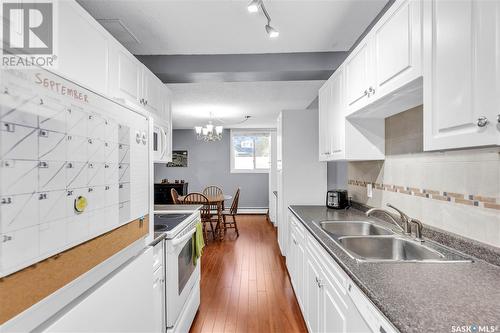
(209, 132)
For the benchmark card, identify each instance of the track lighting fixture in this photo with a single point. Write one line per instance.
(253, 7)
(273, 33)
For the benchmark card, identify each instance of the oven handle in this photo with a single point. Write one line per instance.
(177, 241)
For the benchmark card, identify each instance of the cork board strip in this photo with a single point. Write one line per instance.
(22, 289)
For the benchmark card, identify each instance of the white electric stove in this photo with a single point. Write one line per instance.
(177, 224)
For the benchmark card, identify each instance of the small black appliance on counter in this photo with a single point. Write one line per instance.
(337, 199)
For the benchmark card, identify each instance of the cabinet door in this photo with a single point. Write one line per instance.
(333, 314)
(167, 105)
(461, 73)
(358, 77)
(324, 102)
(397, 47)
(152, 92)
(312, 306)
(300, 273)
(125, 75)
(337, 116)
(86, 64)
(291, 259)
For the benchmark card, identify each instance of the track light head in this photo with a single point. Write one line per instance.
(271, 32)
(253, 6)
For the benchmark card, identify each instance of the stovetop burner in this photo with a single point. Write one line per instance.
(167, 222)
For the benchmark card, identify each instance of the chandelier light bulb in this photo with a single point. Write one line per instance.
(198, 129)
(218, 129)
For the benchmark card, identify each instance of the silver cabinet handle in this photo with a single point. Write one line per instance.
(295, 242)
(482, 121)
(371, 90)
(366, 93)
(498, 118)
(319, 282)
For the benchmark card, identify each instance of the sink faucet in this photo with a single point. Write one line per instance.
(406, 229)
(418, 230)
(404, 218)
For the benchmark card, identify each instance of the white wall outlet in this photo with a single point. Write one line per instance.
(369, 190)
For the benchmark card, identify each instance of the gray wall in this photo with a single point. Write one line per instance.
(209, 164)
(337, 175)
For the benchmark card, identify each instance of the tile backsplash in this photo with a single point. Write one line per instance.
(457, 191)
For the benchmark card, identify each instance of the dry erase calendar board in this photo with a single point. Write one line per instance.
(74, 165)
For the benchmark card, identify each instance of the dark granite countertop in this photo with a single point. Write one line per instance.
(415, 297)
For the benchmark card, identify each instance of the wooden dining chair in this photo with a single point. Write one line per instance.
(213, 191)
(232, 212)
(206, 215)
(175, 196)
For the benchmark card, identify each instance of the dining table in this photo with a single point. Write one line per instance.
(213, 200)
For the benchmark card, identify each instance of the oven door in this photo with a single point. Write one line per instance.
(182, 273)
(159, 144)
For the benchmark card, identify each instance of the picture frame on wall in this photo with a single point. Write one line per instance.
(179, 159)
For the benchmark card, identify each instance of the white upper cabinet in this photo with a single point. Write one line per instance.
(337, 116)
(397, 47)
(132, 82)
(324, 103)
(341, 138)
(332, 118)
(386, 62)
(86, 64)
(461, 74)
(152, 89)
(358, 76)
(125, 75)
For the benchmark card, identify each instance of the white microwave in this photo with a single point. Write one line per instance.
(161, 144)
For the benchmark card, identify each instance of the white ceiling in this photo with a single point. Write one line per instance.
(226, 27)
(231, 101)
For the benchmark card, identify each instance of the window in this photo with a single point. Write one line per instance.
(250, 151)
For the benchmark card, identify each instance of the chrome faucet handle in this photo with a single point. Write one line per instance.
(404, 218)
(418, 230)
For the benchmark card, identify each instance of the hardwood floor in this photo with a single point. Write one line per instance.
(244, 283)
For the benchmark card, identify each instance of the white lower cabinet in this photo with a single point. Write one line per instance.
(329, 300)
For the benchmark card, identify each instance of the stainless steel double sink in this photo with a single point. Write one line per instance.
(367, 241)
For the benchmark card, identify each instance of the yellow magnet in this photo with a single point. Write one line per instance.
(80, 204)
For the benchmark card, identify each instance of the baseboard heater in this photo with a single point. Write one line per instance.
(252, 210)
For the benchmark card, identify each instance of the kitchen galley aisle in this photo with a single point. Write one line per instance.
(244, 284)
